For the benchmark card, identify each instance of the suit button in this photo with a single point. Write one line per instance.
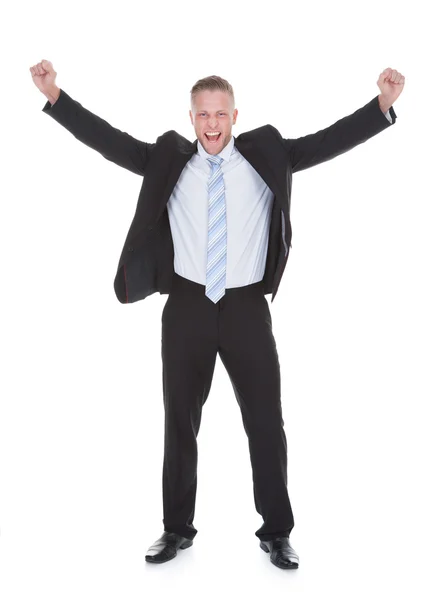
(149, 227)
(130, 249)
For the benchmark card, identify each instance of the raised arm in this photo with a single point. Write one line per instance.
(377, 115)
(112, 143)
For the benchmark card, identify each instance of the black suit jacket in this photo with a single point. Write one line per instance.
(146, 261)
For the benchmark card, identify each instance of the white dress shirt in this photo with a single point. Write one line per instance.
(249, 203)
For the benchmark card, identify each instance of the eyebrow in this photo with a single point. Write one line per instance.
(220, 110)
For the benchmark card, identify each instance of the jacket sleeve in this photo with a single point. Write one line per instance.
(315, 148)
(115, 145)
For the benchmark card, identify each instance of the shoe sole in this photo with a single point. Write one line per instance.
(182, 547)
(293, 566)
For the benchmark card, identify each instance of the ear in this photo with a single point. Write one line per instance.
(191, 117)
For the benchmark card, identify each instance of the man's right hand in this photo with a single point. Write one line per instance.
(43, 75)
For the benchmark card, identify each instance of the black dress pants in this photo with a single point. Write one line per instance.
(239, 327)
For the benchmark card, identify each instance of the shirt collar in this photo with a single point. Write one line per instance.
(225, 153)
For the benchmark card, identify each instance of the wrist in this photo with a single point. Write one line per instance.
(52, 94)
(384, 105)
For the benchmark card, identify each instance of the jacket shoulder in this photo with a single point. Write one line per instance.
(263, 131)
(173, 138)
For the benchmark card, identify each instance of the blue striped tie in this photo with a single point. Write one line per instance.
(217, 239)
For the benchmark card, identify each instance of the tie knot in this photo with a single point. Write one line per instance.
(215, 160)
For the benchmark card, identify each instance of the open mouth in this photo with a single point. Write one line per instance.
(212, 138)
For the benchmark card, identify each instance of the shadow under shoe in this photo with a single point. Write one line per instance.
(165, 548)
(281, 553)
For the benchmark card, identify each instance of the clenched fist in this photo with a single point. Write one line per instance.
(43, 75)
(391, 83)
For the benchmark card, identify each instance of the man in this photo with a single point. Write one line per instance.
(212, 230)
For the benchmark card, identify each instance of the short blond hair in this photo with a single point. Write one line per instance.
(213, 83)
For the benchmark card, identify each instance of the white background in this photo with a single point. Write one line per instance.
(357, 317)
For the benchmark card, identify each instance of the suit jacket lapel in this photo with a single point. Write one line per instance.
(181, 157)
(256, 158)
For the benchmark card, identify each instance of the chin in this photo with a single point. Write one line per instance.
(217, 148)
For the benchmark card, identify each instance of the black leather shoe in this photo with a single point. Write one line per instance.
(281, 553)
(165, 548)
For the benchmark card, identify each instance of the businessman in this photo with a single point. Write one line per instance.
(212, 231)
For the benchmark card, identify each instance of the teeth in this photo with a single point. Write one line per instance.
(213, 133)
